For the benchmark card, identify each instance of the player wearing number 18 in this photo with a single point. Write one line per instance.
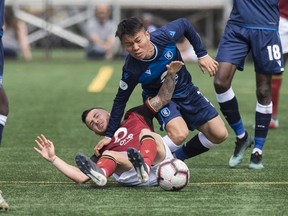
(252, 26)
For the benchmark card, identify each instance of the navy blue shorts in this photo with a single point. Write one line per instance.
(264, 44)
(195, 109)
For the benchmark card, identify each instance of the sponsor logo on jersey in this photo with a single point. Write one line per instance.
(168, 55)
(172, 33)
(165, 112)
(123, 85)
(122, 137)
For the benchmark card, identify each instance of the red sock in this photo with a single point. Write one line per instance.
(276, 84)
(148, 149)
(107, 163)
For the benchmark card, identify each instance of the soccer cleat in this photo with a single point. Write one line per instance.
(241, 146)
(87, 166)
(256, 161)
(137, 160)
(3, 204)
(274, 123)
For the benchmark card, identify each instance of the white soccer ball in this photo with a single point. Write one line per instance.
(173, 175)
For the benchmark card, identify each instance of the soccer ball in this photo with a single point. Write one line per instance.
(173, 175)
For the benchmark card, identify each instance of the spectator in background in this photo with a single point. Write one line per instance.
(15, 38)
(277, 78)
(148, 22)
(100, 31)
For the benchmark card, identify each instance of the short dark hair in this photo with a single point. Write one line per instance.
(129, 26)
(85, 113)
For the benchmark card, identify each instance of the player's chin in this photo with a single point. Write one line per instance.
(139, 56)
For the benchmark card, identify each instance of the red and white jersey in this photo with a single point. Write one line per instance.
(128, 133)
(283, 7)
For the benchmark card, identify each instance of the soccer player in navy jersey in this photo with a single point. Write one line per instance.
(3, 98)
(133, 144)
(146, 65)
(252, 26)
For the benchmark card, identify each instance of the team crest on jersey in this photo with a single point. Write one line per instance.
(165, 112)
(123, 85)
(122, 137)
(125, 75)
(168, 55)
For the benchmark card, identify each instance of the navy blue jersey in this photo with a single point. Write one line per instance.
(255, 13)
(151, 73)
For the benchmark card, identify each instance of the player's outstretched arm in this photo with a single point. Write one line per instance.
(166, 91)
(47, 150)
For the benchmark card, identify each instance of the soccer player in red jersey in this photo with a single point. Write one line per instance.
(133, 144)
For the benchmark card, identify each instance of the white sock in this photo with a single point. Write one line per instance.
(172, 146)
(257, 150)
(3, 119)
(241, 135)
(205, 142)
(226, 96)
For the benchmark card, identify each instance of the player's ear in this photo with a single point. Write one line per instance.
(147, 34)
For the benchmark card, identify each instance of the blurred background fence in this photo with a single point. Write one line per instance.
(59, 23)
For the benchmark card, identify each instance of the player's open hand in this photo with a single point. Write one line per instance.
(45, 148)
(208, 64)
(174, 67)
(105, 141)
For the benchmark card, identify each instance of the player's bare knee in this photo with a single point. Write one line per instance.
(178, 137)
(221, 136)
(109, 153)
(145, 132)
(221, 86)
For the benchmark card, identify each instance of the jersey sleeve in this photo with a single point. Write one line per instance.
(126, 87)
(182, 27)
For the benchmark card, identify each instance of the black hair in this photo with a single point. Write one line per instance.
(129, 26)
(85, 113)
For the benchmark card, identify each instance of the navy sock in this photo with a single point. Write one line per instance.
(191, 149)
(231, 113)
(262, 121)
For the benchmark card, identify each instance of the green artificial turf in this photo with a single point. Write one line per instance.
(48, 96)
